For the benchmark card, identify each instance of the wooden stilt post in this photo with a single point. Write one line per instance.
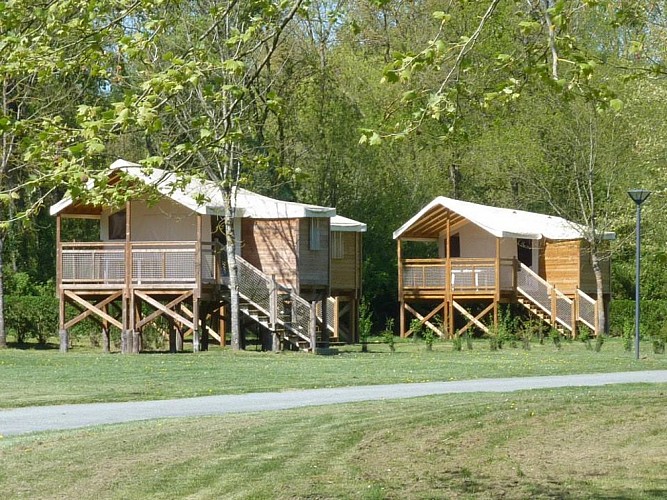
(449, 308)
(312, 326)
(204, 330)
(124, 320)
(325, 322)
(178, 330)
(401, 298)
(137, 333)
(196, 297)
(127, 340)
(222, 324)
(62, 332)
(106, 338)
(195, 324)
(273, 314)
(496, 293)
(172, 336)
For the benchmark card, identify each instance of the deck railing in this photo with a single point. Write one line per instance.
(155, 262)
(466, 275)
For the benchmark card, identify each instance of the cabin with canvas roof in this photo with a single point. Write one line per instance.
(162, 255)
(487, 256)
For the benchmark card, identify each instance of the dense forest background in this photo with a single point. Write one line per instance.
(370, 106)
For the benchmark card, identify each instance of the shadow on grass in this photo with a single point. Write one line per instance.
(33, 346)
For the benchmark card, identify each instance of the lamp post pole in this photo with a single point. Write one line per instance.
(638, 196)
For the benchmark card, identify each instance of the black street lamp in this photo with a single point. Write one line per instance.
(638, 196)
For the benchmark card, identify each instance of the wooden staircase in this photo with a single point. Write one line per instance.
(552, 306)
(277, 309)
(539, 313)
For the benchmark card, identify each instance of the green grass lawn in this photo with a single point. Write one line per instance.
(605, 442)
(43, 377)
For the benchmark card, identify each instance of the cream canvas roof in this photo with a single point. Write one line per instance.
(431, 221)
(343, 224)
(204, 197)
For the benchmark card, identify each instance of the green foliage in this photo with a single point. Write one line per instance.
(365, 325)
(429, 337)
(505, 331)
(388, 334)
(32, 316)
(457, 343)
(556, 338)
(659, 340)
(599, 341)
(585, 335)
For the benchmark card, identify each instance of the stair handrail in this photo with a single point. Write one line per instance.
(551, 290)
(584, 297)
(273, 288)
(331, 309)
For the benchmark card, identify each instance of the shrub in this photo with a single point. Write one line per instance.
(388, 334)
(585, 337)
(429, 337)
(457, 343)
(365, 325)
(555, 337)
(32, 316)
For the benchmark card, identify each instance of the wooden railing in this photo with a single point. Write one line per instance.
(465, 275)
(155, 262)
(561, 309)
(280, 304)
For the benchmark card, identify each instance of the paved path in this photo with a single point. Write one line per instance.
(46, 418)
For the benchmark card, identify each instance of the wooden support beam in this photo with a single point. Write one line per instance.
(473, 319)
(424, 320)
(210, 330)
(158, 312)
(157, 305)
(87, 311)
(72, 296)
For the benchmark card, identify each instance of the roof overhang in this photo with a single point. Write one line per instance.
(343, 224)
(205, 197)
(431, 222)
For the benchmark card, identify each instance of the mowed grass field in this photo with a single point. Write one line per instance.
(605, 442)
(565, 443)
(44, 377)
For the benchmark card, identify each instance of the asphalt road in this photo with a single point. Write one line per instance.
(47, 418)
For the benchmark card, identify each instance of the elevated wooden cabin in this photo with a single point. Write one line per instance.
(163, 255)
(487, 256)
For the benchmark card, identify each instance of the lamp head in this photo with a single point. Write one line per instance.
(639, 195)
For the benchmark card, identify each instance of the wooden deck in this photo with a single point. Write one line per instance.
(145, 265)
(457, 277)
(447, 282)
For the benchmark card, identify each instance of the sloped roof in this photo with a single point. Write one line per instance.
(431, 220)
(204, 197)
(343, 224)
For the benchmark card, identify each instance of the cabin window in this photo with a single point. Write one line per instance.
(337, 248)
(117, 226)
(524, 251)
(315, 234)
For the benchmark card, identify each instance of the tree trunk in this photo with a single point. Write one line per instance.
(3, 334)
(230, 247)
(597, 271)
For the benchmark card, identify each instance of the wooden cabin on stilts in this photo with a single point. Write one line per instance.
(162, 255)
(487, 256)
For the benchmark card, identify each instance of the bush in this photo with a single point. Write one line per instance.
(365, 325)
(388, 334)
(457, 343)
(555, 337)
(32, 317)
